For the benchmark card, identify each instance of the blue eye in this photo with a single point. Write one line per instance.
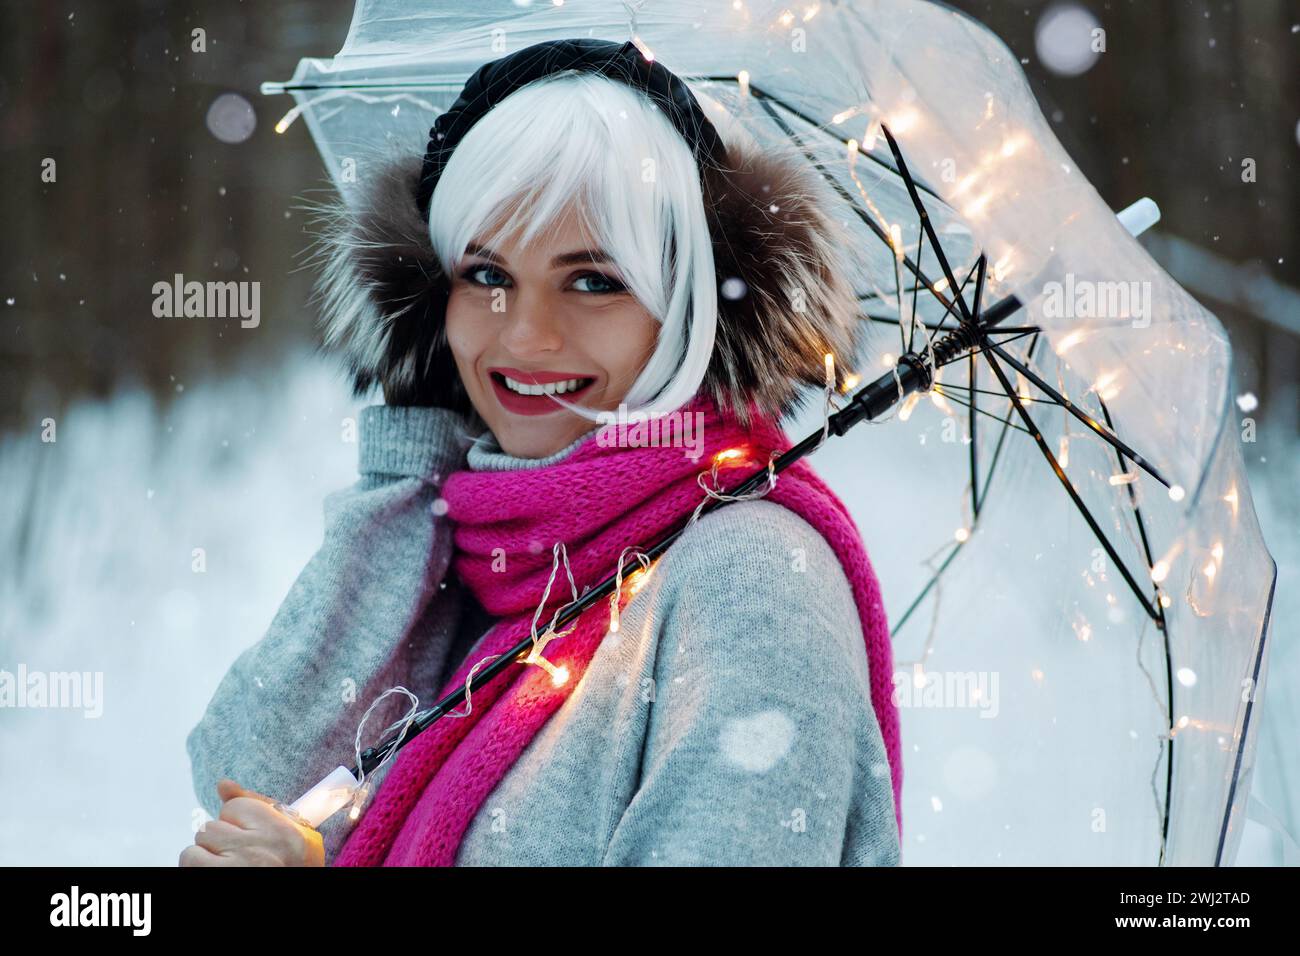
(604, 285)
(492, 274)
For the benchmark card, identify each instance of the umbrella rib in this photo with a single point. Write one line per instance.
(893, 320)
(1069, 488)
(881, 295)
(993, 391)
(1078, 413)
(763, 96)
(1006, 428)
(843, 193)
(943, 390)
(916, 602)
(982, 348)
(981, 264)
(926, 225)
(1161, 623)
(916, 295)
(993, 465)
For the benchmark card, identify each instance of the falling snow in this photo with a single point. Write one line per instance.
(757, 742)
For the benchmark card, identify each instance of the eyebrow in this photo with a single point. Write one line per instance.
(564, 259)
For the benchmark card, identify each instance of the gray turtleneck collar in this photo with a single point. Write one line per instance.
(486, 454)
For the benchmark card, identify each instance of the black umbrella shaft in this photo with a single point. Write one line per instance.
(913, 374)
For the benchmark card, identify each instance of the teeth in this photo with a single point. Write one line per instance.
(550, 388)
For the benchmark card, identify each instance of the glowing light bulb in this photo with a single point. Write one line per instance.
(637, 580)
(1105, 385)
(287, 119)
(1013, 146)
(1176, 493)
(1160, 571)
(966, 183)
(904, 120)
(909, 403)
(870, 136)
(560, 676)
(1002, 268)
(975, 208)
(896, 240)
(962, 534)
(1069, 341)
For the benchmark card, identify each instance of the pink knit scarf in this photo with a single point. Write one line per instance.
(598, 501)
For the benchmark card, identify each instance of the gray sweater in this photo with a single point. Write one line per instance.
(727, 721)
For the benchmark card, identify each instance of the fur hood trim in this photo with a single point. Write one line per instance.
(383, 293)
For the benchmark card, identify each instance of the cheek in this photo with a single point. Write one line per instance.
(627, 341)
(464, 335)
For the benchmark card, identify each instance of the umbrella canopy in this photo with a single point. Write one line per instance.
(1077, 586)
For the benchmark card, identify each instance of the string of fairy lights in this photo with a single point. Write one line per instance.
(333, 793)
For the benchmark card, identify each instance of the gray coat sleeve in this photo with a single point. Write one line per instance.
(368, 612)
(761, 732)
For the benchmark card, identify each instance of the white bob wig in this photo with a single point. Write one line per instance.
(585, 144)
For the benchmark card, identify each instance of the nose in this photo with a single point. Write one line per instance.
(532, 324)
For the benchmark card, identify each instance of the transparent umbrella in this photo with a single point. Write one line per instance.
(1055, 503)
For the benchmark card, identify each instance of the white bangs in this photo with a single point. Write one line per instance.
(585, 138)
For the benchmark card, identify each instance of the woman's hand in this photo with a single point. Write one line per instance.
(251, 832)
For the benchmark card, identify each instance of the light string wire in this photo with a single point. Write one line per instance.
(559, 554)
(404, 723)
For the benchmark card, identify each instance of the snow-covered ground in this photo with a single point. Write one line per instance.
(152, 547)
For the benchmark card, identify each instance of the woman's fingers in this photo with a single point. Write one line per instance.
(228, 789)
(219, 835)
(252, 813)
(195, 855)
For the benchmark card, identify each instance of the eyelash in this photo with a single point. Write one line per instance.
(616, 286)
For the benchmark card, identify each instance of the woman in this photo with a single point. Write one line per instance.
(579, 237)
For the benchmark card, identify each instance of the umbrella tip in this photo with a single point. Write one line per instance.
(1140, 216)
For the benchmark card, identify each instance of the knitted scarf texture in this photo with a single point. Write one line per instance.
(598, 500)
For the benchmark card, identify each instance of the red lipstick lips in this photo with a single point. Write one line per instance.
(513, 401)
